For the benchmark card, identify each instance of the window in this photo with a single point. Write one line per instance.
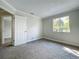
(61, 24)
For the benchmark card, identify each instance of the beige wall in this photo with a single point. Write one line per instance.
(69, 38)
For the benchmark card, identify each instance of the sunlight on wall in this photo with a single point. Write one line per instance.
(72, 51)
(61, 24)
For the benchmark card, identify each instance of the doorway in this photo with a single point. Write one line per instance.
(6, 28)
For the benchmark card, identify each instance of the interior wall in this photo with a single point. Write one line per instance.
(34, 25)
(70, 38)
(7, 28)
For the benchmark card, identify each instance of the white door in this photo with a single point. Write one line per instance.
(20, 30)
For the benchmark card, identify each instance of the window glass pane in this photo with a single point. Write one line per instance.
(61, 24)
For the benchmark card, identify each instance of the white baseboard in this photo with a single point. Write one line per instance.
(37, 38)
(18, 44)
(62, 41)
(30, 40)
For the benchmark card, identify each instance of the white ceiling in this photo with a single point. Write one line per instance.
(44, 8)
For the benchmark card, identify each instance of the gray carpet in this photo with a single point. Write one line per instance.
(41, 49)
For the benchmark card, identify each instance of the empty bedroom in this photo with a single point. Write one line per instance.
(39, 29)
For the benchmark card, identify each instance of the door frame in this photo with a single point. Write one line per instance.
(12, 30)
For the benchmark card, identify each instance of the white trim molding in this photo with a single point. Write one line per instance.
(7, 7)
(61, 41)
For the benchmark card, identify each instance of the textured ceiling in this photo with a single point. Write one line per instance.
(44, 8)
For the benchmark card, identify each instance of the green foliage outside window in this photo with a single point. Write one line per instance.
(61, 24)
